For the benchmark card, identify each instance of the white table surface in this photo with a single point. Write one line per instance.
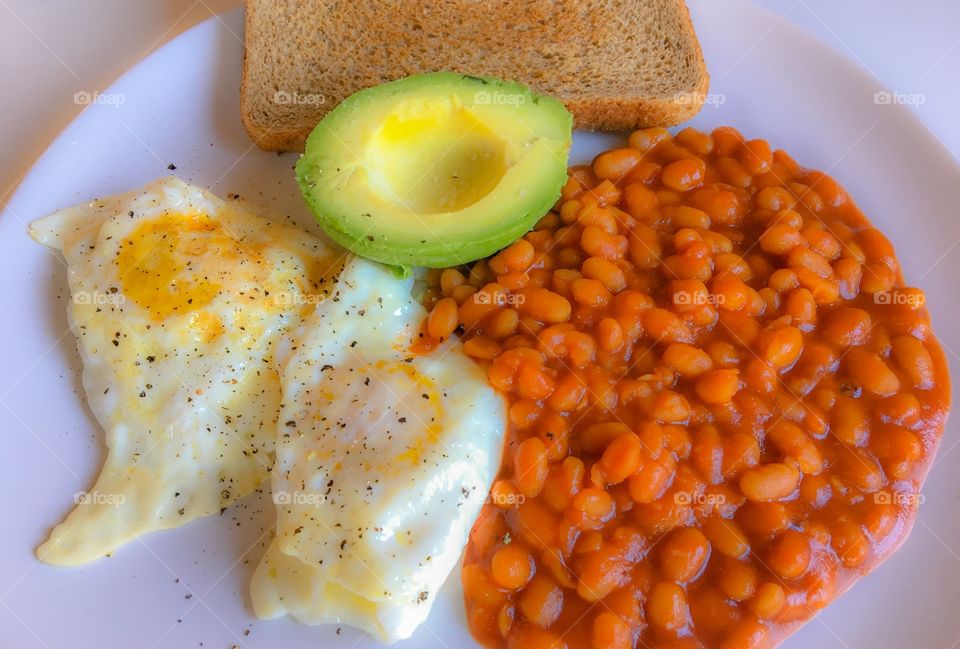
(52, 49)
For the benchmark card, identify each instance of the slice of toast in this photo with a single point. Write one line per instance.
(616, 64)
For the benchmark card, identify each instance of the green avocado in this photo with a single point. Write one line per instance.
(437, 169)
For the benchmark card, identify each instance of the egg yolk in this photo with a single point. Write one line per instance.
(160, 268)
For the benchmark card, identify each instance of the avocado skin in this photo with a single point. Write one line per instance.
(356, 226)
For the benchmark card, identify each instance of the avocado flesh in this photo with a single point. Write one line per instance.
(437, 169)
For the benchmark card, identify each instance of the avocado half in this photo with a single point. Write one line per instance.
(437, 169)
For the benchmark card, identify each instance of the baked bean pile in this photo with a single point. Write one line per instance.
(723, 401)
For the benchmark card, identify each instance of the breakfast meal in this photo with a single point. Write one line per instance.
(678, 398)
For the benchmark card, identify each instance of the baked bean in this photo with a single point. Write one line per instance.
(792, 442)
(598, 243)
(848, 327)
(645, 139)
(897, 449)
(443, 319)
(769, 482)
(665, 326)
(801, 257)
(849, 421)
(450, 279)
(603, 193)
(717, 386)
(589, 292)
(541, 601)
(651, 480)
(597, 215)
(723, 354)
(530, 466)
(504, 324)
(694, 141)
(670, 407)
(683, 175)
(644, 247)
(516, 257)
(915, 361)
(880, 520)
(783, 279)
(781, 347)
(823, 243)
(870, 372)
(738, 580)
(610, 632)
(733, 172)
(726, 140)
(638, 200)
(616, 163)
(463, 293)
(592, 507)
(780, 238)
(511, 567)
(768, 600)
(480, 587)
(563, 483)
(756, 156)
(731, 292)
(748, 634)
(667, 608)
(533, 637)
(850, 543)
(688, 360)
(606, 272)
(726, 537)
(621, 458)
(683, 554)
(544, 305)
(849, 273)
(790, 554)
(481, 348)
(861, 470)
(902, 409)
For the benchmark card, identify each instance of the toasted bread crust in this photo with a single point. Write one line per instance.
(532, 41)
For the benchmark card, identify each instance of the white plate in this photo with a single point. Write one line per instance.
(180, 106)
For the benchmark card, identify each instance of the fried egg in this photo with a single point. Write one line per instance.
(383, 460)
(181, 304)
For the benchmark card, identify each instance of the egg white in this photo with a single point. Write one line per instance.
(383, 460)
(182, 304)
